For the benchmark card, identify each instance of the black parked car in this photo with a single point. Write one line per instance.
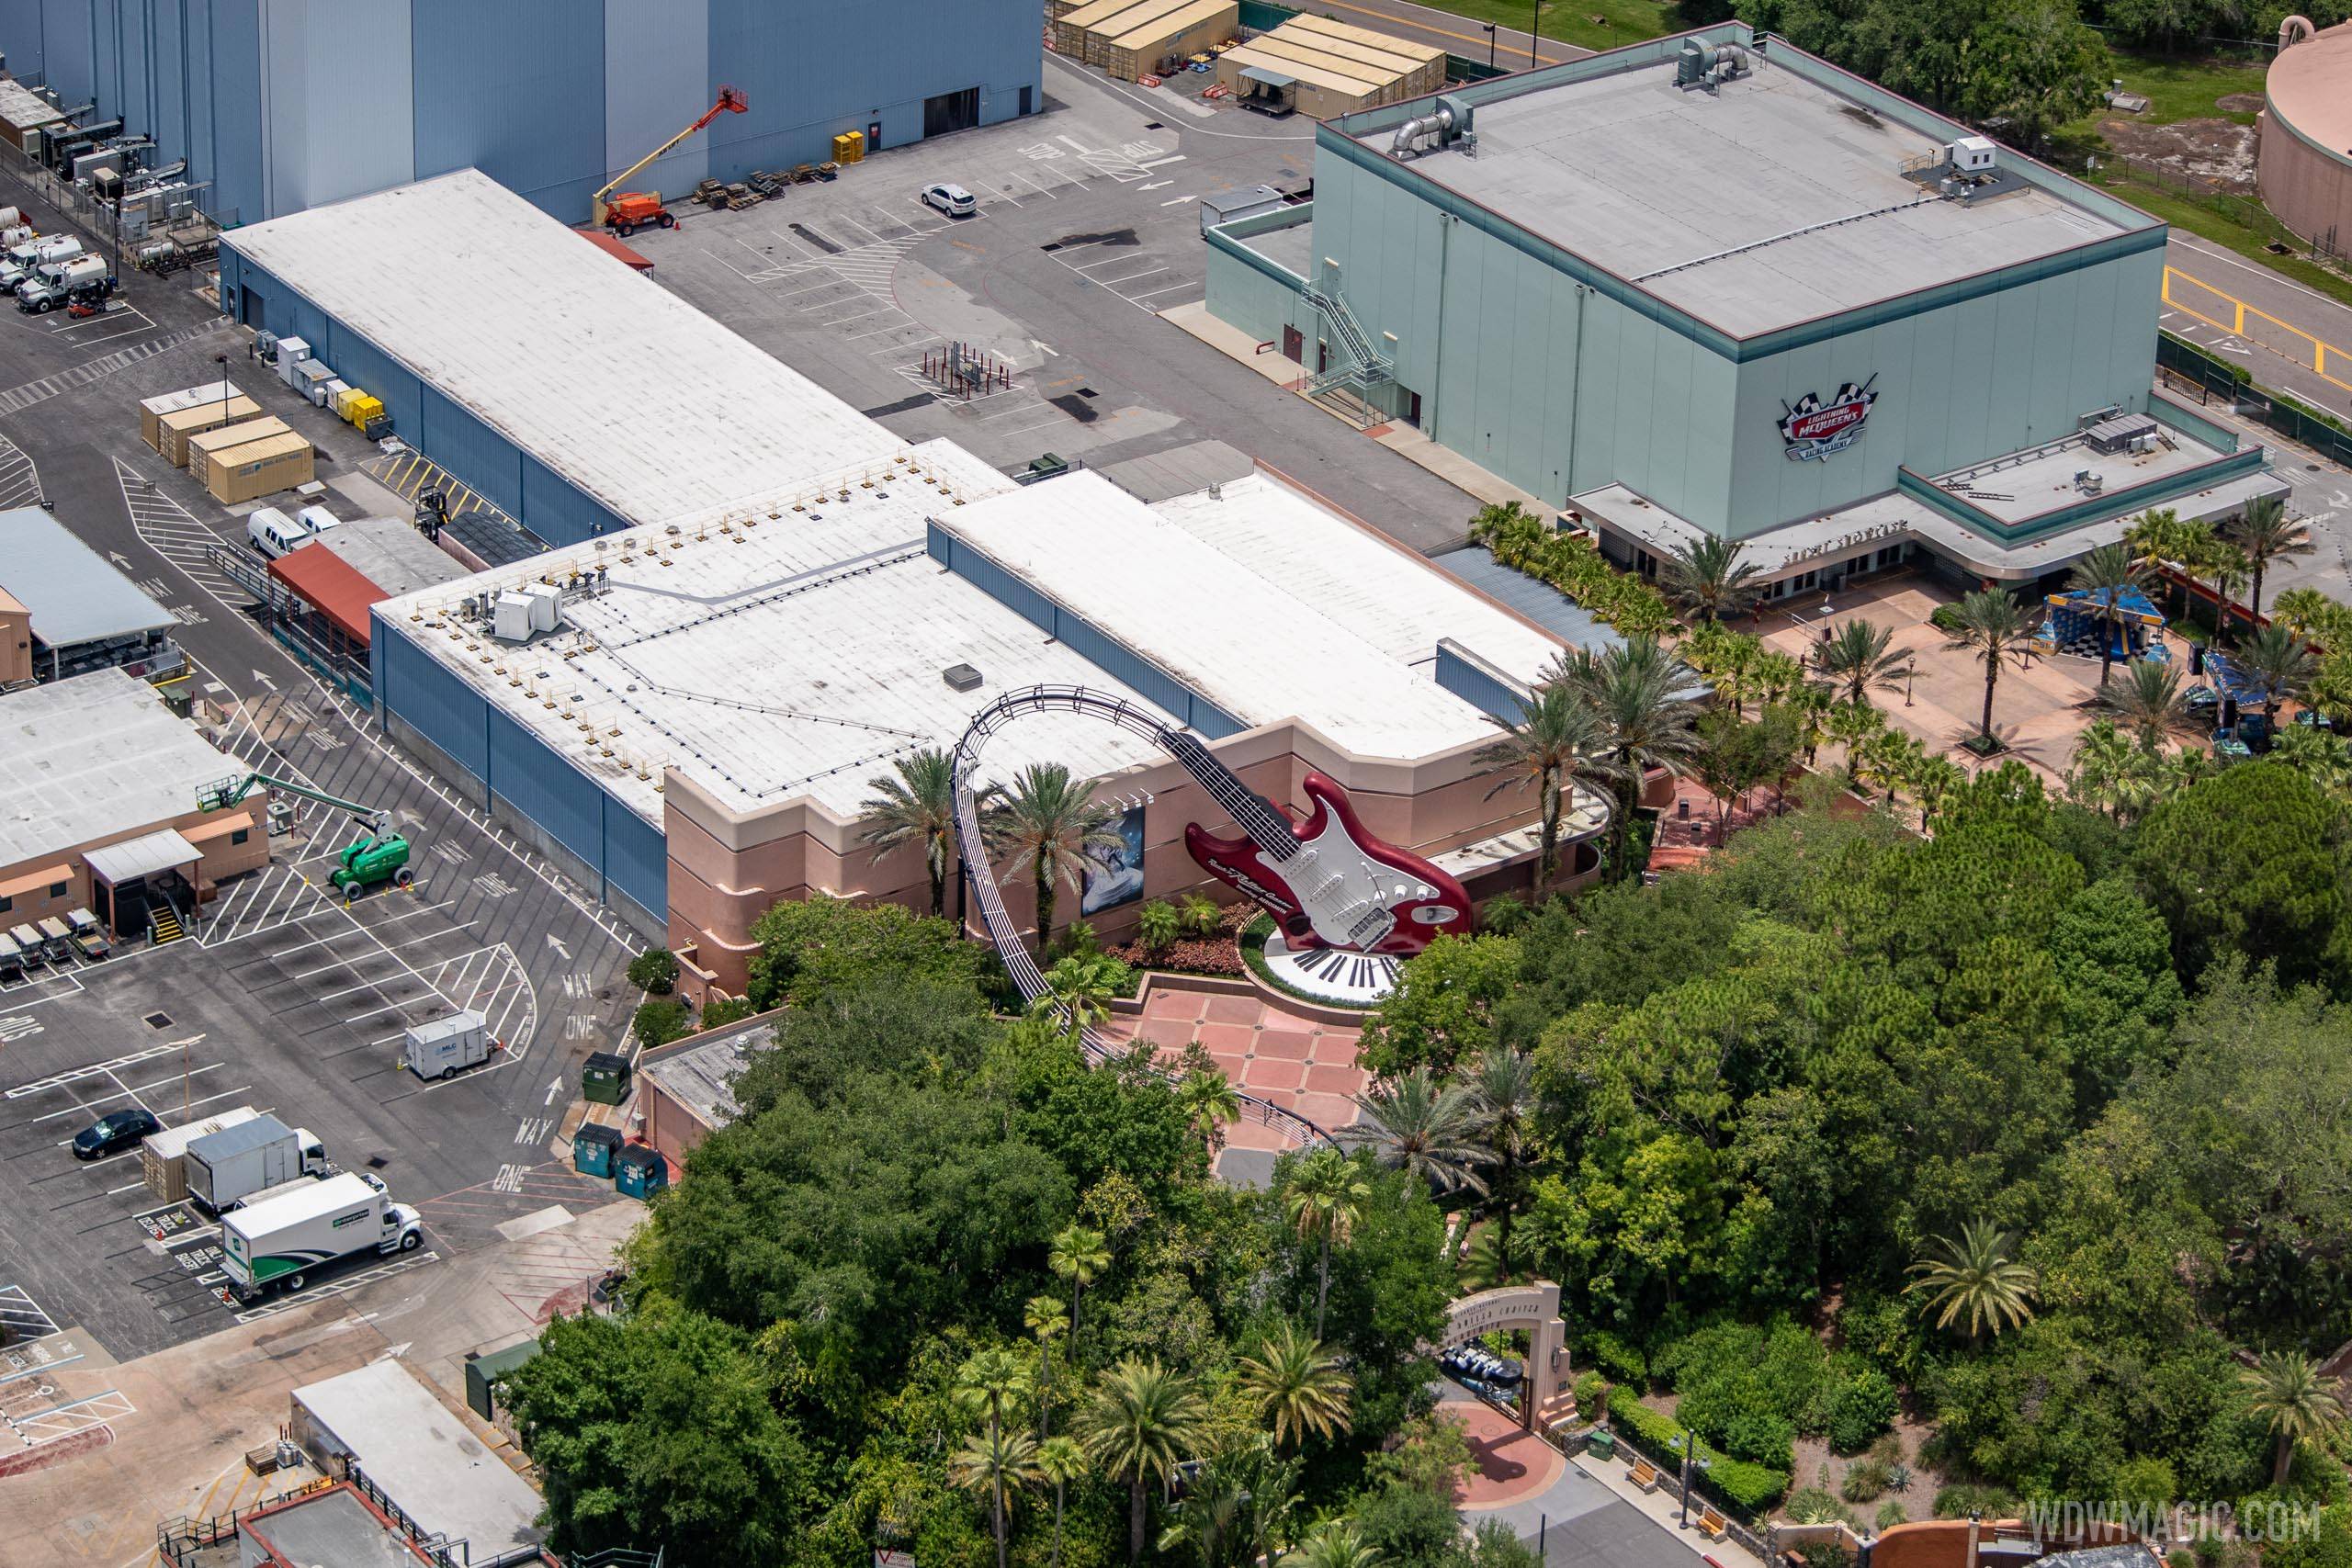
(116, 1130)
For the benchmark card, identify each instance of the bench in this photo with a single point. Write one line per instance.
(1712, 1525)
(1645, 1475)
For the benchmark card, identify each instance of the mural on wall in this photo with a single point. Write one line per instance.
(1114, 873)
(1812, 429)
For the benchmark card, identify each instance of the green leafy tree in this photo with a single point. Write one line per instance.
(1324, 1197)
(659, 1022)
(1442, 1009)
(918, 807)
(2108, 573)
(2263, 533)
(1079, 990)
(1143, 1420)
(2287, 1392)
(1990, 626)
(1973, 1280)
(1297, 1385)
(2033, 63)
(654, 971)
(1734, 758)
(1858, 658)
(1707, 578)
(1425, 1127)
(811, 947)
(1556, 746)
(2246, 861)
(1042, 823)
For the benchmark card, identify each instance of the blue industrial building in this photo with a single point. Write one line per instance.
(280, 105)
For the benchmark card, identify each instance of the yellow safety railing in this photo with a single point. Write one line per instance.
(2223, 310)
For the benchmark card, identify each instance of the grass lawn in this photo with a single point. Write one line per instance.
(1571, 21)
(2178, 89)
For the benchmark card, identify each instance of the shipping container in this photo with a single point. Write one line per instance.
(163, 1157)
(153, 409)
(175, 428)
(259, 467)
(203, 444)
(1175, 36)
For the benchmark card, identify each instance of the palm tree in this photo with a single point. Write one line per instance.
(1851, 724)
(1992, 626)
(993, 1382)
(1079, 1256)
(1556, 744)
(1707, 576)
(916, 807)
(1078, 991)
(1158, 926)
(2279, 659)
(1857, 658)
(1298, 1386)
(1429, 1129)
(2147, 702)
(1936, 780)
(1323, 1197)
(2231, 571)
(2263, 533)
(2106, 573)
(1207, 1099)
(2298, 1404)
(1059, 1462)
(1640, 689)
(2107, 762)
(1503, 1081)
(1973, 1277)
(1890, 757)
(1776, 675)
(1143, 1420)
(1047, 1320)
(1336, 1544)
(2303, 610)
(1045, 821)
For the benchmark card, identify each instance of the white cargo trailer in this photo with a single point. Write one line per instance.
(437, 1049)
(163, 1157)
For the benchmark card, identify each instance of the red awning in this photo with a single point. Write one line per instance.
(325, 580)
(614, 248)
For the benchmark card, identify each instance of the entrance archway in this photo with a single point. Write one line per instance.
(1535, 1308)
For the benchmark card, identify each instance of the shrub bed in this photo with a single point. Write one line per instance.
(1749, 1487)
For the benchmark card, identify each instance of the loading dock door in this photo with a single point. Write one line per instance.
(951, 111)
(253, 310)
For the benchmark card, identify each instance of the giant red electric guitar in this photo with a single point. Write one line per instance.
(1326, 881)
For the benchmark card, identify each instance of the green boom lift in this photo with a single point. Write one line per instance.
(377, 857)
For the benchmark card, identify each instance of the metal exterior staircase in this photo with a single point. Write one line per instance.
(164, 925)
(1363, 368)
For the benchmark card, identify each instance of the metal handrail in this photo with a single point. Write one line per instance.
(971, 847)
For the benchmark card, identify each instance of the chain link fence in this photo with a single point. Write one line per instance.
(2185, 367)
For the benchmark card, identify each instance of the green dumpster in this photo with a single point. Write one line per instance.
(482, 1373)
(1602, 1444)
(605, 1079)
(640, 1171)
(593, 1149)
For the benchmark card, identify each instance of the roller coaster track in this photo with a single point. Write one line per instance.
(1002, 928)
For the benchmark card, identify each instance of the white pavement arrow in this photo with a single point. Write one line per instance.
(554, 1086)
(561, 952)
(118, 557)
(264, 679)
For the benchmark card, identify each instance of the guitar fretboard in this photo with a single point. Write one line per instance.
(1267, 827)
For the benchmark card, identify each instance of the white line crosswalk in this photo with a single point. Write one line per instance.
(18, 398)
(177, 534)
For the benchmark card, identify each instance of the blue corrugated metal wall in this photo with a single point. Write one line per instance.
(432, 702)
(516, 90)
(561, 512)
(21, 26)
(230, 141)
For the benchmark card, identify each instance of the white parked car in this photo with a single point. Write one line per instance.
(952, 200)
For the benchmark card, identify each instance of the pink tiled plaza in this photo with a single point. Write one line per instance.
(1295, 1062)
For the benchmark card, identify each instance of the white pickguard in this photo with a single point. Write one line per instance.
(1344, 892)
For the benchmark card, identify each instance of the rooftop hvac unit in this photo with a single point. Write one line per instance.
(510, 617)
(962, 677)
(1973, 155)
(1704, 65)
(547, 607)
(265, 345)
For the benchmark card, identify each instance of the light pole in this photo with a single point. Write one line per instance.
(1689, 1447)
(1909, 670)
(1490, 45)
(1534, 23)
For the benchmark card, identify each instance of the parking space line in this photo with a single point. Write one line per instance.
(59, 1080)
(1188, 283)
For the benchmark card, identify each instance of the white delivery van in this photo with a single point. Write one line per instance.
(275, 535)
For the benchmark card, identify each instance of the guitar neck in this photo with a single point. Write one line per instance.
(1267, 827)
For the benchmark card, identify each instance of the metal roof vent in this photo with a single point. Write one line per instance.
(961, 677)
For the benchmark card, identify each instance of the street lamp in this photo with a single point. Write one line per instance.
(1688, 1445)
(1532, 61)
(1490, 45)
(1909, 670)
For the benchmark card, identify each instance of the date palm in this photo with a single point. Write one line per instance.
(1991, 626)
(2263, 533)
(1973, 1280)
(1143, 1420)
(1298, 1386)
(1209, 1105)
(1059, 1462)
(1707, 578)
(1428, 1128)
(916, 807)
(1857, 658)
(2304, 611)
(2147, 702)
(1777, 674)
(1323, 1197)
(1556, 745)
(1079, 1256)
(2108, 573)
(1337, 1543)
(1853, 725)
(2296, 1404)
(1043, 822)
(1642, 692)
(2279, 660)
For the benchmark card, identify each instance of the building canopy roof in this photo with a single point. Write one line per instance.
(74, 594)
(325, 579)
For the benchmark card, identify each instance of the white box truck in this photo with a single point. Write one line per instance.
(232, 1164)
(163, 1157)
(277, 1245)
(445, 1045)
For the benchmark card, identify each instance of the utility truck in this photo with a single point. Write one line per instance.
(224, 1167)
(277, 1244)
(378, 856)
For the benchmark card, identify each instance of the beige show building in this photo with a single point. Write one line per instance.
(99, 807)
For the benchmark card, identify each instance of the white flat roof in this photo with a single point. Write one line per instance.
(424, 1458)
(92, 758)
(163, 850)
(75, 594)
(775, 657)
(1262, 602)
(641, 400)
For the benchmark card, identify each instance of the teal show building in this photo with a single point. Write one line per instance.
(1709, 284)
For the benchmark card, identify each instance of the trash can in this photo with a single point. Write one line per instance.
(640, 1171)
(593, 1149)
(1602, 1444)
(605, 1079)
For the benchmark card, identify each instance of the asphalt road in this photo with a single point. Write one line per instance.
(1454, 34)
(2207, 281)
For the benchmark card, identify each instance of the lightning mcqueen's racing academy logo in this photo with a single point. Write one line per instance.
(1815, 429)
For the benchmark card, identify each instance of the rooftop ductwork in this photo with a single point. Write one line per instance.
(1704, 65)
(1448, 122)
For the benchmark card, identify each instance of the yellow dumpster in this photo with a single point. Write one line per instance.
(343, 401)
(365, 407)
(848, 146)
